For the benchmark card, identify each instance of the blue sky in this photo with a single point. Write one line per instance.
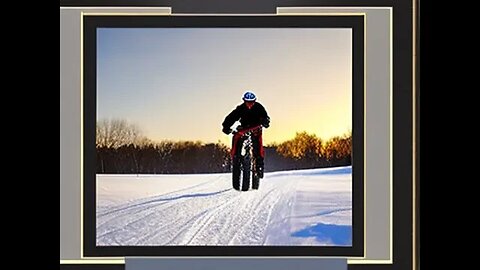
(180, 83)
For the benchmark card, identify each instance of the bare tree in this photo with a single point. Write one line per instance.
(115, 133)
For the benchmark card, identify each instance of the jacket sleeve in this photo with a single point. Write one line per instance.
(264, 113)
(264, 118)
(231, 118)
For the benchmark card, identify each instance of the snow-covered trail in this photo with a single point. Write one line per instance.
(307, 207)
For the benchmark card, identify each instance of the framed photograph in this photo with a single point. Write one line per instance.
(160, 176)
(261, 132)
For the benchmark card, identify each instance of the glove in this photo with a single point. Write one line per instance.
(227, 130)
(266, 122)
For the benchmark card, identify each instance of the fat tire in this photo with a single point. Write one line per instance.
(236, 172)
(245, 173)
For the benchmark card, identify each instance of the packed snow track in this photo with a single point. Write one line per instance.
(303, 207)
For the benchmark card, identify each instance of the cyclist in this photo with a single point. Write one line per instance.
(250, 114)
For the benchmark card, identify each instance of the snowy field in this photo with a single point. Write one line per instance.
(303, 207)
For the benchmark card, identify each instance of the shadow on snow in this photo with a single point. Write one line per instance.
(335, 234)
(156, 200)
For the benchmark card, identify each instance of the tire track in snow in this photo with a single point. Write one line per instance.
(258, 223)
(254, 207)
(176, 221)
(185, 230)
(209, 218)
(226, 222)
(127, 210)
(153, 199)
(133, 215)
(126, 225)
(284, 206)
(140, 235)
(252, 216)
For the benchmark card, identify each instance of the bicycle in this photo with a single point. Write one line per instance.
(243, 159)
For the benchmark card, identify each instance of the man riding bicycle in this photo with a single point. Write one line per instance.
(250, 114)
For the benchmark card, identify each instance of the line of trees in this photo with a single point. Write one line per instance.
(121, 148)
(307, 151)
(163, 158)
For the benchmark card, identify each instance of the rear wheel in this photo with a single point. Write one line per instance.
(255, 178)
(255, 181)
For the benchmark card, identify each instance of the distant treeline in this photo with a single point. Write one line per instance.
(307, 151)
(122, 149)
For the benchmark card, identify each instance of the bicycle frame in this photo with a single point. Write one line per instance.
(247, 143)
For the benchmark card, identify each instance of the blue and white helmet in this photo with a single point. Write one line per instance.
(249, 96)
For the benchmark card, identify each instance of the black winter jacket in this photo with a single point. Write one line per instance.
(254, 116)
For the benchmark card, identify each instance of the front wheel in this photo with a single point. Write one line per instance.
(241, 169)
(236, 171)
(245, 173)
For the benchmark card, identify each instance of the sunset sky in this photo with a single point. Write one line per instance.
(179, 84)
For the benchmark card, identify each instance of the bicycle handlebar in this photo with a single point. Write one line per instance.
(243, 131)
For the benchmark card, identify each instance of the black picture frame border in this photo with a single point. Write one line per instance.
(405, 32)
(90, 25)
